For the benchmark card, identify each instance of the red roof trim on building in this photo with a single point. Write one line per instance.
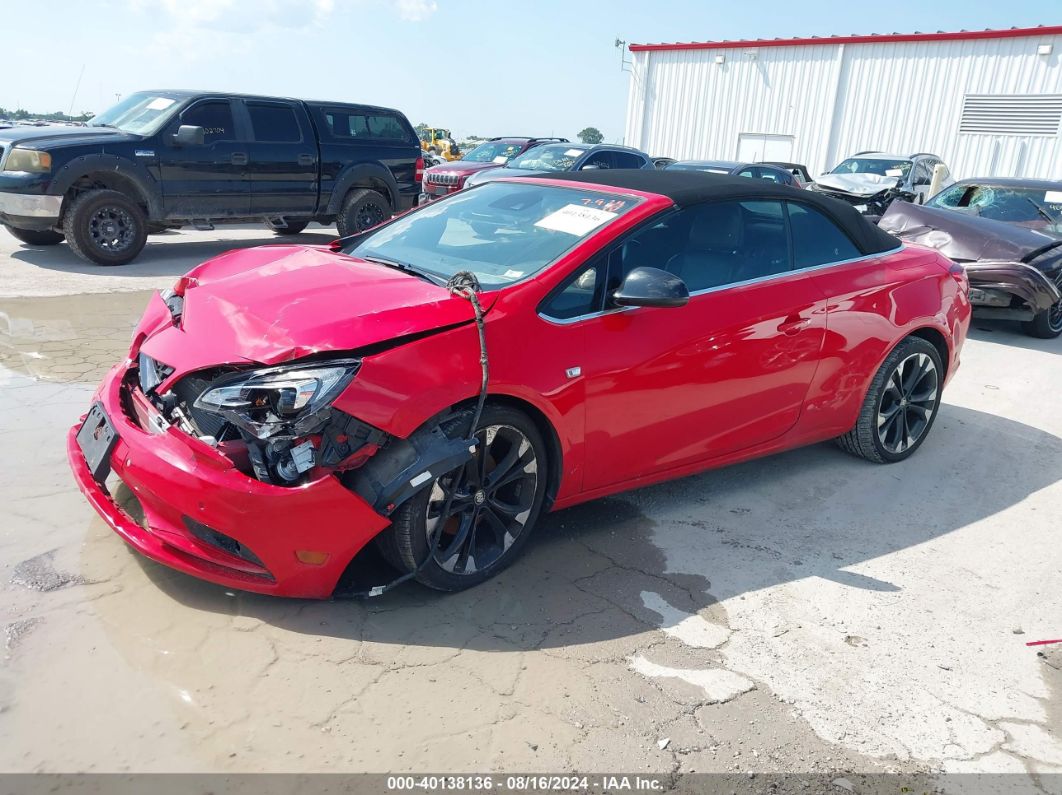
(873, 38)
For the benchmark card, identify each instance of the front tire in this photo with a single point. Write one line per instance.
(36, 237)
(494, 502)
(362, 209)
(105, 227)
(901, 405)
(1045, 325)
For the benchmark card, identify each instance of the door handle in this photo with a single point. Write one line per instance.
(306, 160)
(794, 324)
(239, 158)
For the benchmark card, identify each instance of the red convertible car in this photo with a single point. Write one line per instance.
(438, 382)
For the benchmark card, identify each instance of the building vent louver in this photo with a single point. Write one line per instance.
(1011, 114)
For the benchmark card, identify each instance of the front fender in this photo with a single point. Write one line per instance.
(137, 174)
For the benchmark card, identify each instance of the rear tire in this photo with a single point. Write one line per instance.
(293, 228)
(362, 209)
(1045, 325)
(901, 405)
(498, 497)
(105, 227)
(36, 237)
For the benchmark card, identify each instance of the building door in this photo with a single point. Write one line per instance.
(760, 147)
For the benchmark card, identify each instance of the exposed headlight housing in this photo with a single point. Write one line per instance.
(28, 160)
(278, 399)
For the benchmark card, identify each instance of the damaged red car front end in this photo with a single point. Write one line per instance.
(255, 516)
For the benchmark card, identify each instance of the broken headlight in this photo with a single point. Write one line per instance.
(277, 399)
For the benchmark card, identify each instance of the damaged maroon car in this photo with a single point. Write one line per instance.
(437, 383)
(1007, 233)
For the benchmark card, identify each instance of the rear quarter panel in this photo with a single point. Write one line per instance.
(872, 305)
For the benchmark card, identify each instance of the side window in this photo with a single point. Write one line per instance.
(581, 294)
(602, 159)
(626, 160)
(351, 123)
(749, 172)
(923, 172)
(215, 118)
(817, 240)
(713, 245)
(275, 123)
(385, 126)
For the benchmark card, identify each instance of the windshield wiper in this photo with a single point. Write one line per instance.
(405, 267)
(1040, 210)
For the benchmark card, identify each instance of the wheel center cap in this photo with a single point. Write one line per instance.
(479, 497)
(903, 403)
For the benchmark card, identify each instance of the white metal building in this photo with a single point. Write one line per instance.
(989, 102)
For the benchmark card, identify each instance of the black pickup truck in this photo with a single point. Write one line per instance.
(167, 159)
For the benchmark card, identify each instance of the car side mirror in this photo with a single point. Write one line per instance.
(189, 135)
(651, 287)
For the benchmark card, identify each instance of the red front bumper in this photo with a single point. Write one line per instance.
(175, 476)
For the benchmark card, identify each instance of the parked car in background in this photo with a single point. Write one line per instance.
(163, 159)
(494, 153)
(282, 407)
(1008, 235)
(871, 181)
(431, 159)
(552, 158)
(736, 169)
(799, 171)
(663, 162)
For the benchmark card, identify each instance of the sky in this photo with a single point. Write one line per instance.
(532, 67)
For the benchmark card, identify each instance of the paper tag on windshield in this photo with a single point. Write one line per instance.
(893, 172)
(501, 160)
(160, 103)
(573, 152)
(575, 220)
(1053, 197)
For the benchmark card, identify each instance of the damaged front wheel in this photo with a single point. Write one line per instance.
(477, 517)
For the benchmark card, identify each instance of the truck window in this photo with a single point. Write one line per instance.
(215, 117)
(344, 124)
(276, 123)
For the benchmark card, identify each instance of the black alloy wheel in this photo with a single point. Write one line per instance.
(482, 508)
(475, 519)
(908, 403)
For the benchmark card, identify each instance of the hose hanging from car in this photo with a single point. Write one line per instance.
(463, 284)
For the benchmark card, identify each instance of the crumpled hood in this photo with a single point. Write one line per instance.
(857, 184)
(276, 303)
(960, 236)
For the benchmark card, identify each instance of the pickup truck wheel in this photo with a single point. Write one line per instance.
(362, 209)
(293, 228)
(36, 237)
(105, 227)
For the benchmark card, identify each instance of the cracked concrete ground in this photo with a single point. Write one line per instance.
(806, 612)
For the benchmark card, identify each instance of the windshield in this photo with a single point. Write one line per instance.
(493, 152)
(501, 231)
(553, 157)
(142, 113)
(1036, 208)
(874, 165)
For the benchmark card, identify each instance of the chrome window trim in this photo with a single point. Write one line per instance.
(732, 285)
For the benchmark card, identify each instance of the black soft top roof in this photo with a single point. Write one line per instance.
(693, 187)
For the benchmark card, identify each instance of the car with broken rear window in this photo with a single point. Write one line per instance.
(436, 384)
(1007, 233)
(871, 181)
